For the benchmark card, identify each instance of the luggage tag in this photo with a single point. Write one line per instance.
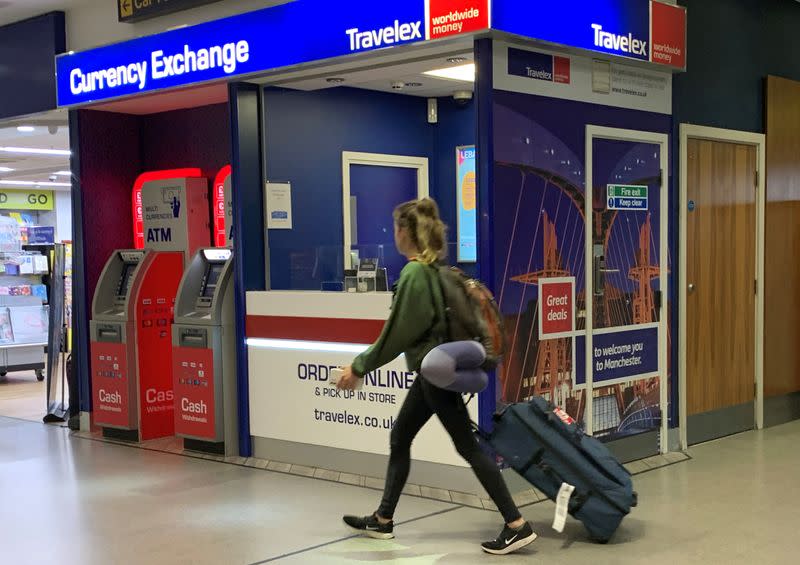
(562, 506)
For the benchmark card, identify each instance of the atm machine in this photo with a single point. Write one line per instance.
(204, 355)
(132, 313)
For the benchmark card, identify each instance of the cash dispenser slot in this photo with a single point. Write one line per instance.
(191, 337)
(109, 334)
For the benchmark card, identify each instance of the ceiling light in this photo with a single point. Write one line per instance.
(464, 73)
(25, 129)
(457, 60)
(5, 169)
(63, 173)
(32, 183)
(36, 151)
(335, 80)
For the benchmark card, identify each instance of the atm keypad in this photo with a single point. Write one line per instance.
(193, 374)
(109, 367)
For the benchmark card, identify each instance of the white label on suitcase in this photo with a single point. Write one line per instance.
(562, 506)
(563, 416)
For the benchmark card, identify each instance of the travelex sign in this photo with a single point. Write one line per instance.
(637, 29)
(303, 31)
(281, 36)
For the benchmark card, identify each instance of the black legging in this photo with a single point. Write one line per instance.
(423, 401)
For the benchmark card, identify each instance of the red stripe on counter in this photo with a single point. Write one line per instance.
(314, 329)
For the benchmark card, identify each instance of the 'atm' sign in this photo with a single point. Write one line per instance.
(453, 17)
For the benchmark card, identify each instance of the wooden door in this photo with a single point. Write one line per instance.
(721, 274)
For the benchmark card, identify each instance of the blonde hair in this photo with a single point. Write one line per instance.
(427, 231)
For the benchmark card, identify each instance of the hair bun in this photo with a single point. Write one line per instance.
(427, 207)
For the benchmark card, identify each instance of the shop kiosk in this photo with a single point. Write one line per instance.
(132, 313)
(204, 355)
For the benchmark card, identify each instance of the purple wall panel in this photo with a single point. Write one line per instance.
(110, 164)
(117, 148)
(197, 137)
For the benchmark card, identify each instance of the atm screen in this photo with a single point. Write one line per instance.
(212, 277)
(125, 280)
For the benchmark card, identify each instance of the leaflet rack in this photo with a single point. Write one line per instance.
(23, 311)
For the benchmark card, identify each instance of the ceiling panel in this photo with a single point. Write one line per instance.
(16, 10)
(51, 131)
(385, 77)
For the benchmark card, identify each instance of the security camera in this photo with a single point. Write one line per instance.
(53, 178)
(52, 129)
(398, 85)
(462, 97)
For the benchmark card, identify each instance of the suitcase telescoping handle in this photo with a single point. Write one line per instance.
(496, 417)
(483, 434)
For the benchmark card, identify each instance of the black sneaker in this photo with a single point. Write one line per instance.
(369, 526)
(510, 540)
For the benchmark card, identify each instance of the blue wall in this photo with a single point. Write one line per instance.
(733, 45)
(456, 127)
(306, 133)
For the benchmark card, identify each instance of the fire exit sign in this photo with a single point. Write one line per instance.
(135, 10)
(627, 197)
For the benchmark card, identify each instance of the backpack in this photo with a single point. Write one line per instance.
(472, 313)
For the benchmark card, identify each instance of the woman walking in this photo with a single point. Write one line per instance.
(416, 326)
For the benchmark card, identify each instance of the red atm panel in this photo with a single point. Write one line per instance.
(154, 312)
(193, 370)
(110, 384)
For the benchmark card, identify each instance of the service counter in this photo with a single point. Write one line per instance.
(294, 339)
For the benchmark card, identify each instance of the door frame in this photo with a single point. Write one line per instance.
(757, 140)
(633, 136)
(350, 158)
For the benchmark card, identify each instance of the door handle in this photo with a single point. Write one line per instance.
(600, 270)
(691, 287)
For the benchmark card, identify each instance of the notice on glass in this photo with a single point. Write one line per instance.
(467, 204)
(279, 206)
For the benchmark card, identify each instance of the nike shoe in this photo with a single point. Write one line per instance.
(369, 526)
(510, 540)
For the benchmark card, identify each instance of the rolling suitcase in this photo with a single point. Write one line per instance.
(544, 445)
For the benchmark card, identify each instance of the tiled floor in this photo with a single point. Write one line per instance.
(71, 500)
(522, 496)
(22, 396)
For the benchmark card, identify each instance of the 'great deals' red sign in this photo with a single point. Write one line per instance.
(453, 17)
(556, 307)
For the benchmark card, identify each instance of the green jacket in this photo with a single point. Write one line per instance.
(413, 327)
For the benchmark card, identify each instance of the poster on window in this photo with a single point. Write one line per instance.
(466, 191)
(540, 193)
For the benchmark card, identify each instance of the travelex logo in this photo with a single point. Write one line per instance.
(384, 37)
(445, 18)
(539, 66)
(623, 44)
(451, 17)
(161, 65)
